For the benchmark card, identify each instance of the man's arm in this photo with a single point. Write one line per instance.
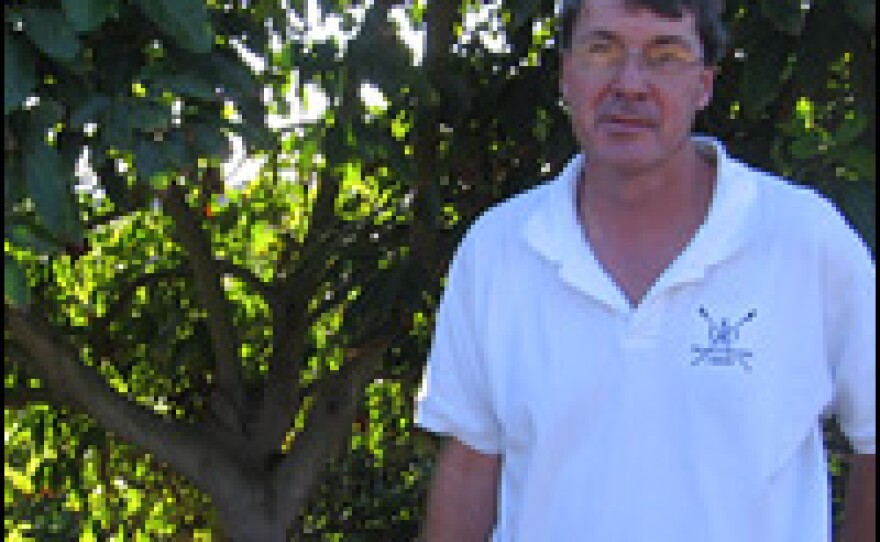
(463, 496)
(860, 515)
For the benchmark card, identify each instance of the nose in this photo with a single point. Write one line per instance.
(631, 79)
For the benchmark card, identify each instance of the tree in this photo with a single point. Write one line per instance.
(228, 336)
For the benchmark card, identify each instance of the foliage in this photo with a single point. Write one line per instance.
(170, 318)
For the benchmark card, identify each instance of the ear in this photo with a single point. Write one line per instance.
(707, 83)
(563, 76)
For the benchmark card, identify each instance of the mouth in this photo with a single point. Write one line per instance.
(626, 122)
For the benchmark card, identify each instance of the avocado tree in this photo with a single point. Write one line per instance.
(187, 356)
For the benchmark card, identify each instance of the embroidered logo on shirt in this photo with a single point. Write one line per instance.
(723, 337)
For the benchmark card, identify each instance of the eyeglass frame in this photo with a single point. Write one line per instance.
(639, 53)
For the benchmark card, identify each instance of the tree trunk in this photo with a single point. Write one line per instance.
(258, 530)
(247, 524)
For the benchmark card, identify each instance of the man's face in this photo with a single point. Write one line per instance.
(633, 81)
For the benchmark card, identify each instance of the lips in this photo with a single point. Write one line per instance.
(627, 121)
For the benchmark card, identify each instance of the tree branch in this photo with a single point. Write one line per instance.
(440, 19)
(187, 447)
(291, 318)
(227, 399)
(290, 323)
(327, 427)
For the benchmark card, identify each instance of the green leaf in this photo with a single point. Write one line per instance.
(116, 128)
(522, 11)
(862, 160)
(19, 75)
(231, 73)
(21, 481)
(863, 12)
(115, 185)
(762, 78)
(50, 32)
(226, 70)
(175, 150)
(210, 141)
(185, 21)
(817, 54)
(89, 111)
(34, 237)
(157, 157)
(45, 116)
(149, 116)
(49, 186)
(185, 84)
(15, 285)
(149, 160)
(13, 183)
(256, 136)
(87, 15)
(849, 130)
(786, 15)
(806, 145)
(334, 6)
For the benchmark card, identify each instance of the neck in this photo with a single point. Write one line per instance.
(638, 185)
(668, 195)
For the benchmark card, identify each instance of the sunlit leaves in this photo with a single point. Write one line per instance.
(15, 285)
(73, 483)
(383, 477)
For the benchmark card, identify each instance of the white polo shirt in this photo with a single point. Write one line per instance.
(693, 417)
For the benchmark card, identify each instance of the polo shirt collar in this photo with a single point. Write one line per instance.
(554, 232)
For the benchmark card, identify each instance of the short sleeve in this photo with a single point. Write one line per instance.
(455, 397)
(851, 315)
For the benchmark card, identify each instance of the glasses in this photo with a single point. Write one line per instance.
(662, 58)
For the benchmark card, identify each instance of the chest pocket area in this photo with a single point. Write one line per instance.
(755, 387)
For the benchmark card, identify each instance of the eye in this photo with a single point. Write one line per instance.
(598, 47)
(669, 54)
(600, 52)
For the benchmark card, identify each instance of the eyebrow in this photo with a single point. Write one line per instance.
(670, 40)
(662, 39)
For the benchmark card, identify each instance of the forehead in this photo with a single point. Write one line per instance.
(635, 22)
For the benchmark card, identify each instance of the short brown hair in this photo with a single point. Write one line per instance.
(707, 13)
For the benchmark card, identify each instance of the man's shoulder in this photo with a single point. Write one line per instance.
(784, 196)
(504, 220)
(773, 190)
(797, 213)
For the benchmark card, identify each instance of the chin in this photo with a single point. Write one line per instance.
(631, 159)
(628, 152)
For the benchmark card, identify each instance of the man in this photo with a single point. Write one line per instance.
(642, 349)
